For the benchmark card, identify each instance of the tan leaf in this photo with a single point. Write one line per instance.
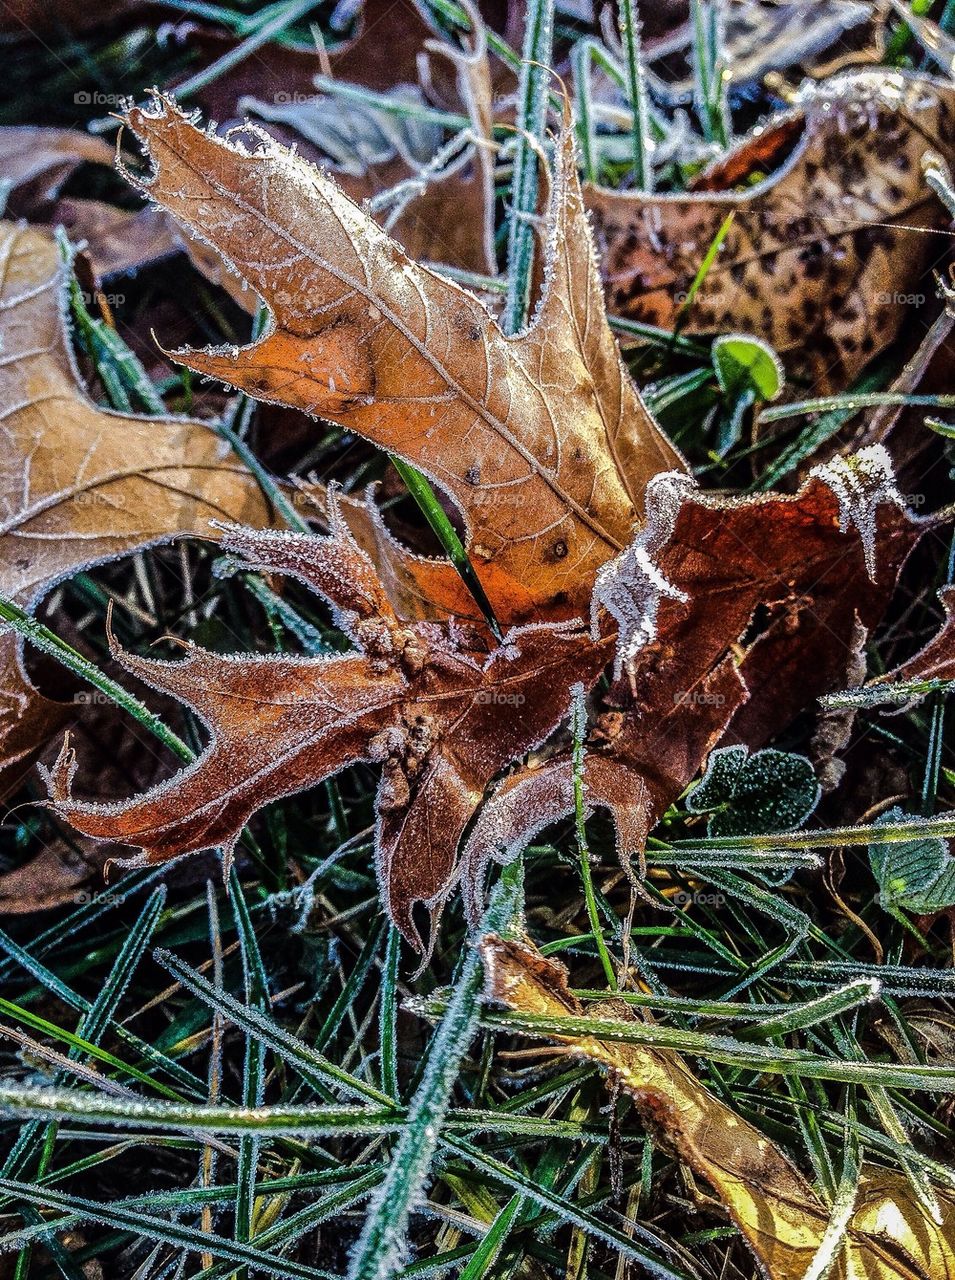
(119, 241)
(418, 587)
(37, 162)
(824, 256)
(778, 1213)
(52, 878)
(541, 440)
(80, 485)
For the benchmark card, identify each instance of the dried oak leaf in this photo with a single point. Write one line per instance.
(440, 712)
(777, 1211)
(936, 661)
(560, 474)
(78, 484)
(541, 440)
(37, 162)
(816, 565)
(822, 253)
(120, 241)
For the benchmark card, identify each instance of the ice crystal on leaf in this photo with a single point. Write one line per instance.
(577, 512)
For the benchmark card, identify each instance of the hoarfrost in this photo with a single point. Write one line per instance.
(630, 586)
(861, 484)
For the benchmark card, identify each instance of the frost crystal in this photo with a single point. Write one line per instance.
(630, 586)
(861, 484)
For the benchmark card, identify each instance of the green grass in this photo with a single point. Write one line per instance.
(250, 1075)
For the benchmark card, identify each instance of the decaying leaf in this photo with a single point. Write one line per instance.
(440, 712)
(824, 254)
(699, 676)
(937, 660)
(440, 213)
(561, 477)
(778, 1213)
(541, 440)
(118, 241)
(80, 485)
(37, 162)
(834, 729)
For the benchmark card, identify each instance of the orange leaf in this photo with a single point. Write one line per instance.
(541, 440)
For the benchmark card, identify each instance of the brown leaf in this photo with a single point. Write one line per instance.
(418, 587)
(52, 878)
(80, 485)
(541, 440)
(440, 713)
(777, 1211)
(37, 162)
(27, 719)
(822, 253)
(937, 660)
(119, 241)
(546, 448)
(636, 764)
(796, 559)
